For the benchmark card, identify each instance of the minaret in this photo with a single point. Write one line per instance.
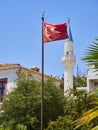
(68, 60)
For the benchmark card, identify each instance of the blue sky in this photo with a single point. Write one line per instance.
(20, 31)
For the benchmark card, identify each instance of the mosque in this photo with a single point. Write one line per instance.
(10, 72)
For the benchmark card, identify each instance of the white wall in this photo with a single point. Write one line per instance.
(92, 78)
(11, 75)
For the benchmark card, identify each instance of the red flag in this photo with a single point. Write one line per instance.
(53, 32)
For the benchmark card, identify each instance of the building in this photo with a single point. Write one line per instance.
(10, 72)
(92, 78)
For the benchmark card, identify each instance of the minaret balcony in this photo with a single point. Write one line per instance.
(68, 61)
(68, 57)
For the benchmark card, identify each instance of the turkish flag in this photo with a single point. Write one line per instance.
(53, 32)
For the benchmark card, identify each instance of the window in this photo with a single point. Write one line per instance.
(3, 84)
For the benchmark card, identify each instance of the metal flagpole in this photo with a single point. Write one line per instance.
(42, 91)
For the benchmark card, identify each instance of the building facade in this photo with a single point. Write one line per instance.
(10, 72)
(92, 78)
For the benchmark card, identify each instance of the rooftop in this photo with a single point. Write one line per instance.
(7, 66)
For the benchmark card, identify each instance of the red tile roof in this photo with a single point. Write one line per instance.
(7, 66)
(11, 66)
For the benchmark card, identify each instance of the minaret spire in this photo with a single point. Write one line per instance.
(68, 60)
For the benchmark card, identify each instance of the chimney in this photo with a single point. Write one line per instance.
(35, 68)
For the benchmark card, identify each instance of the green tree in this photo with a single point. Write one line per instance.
(79, 81)
(23, 105)
(62, 123)
(54, 102)
(90, 117)
(75, 106)
(62, 83)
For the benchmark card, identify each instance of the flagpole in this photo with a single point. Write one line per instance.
(42, 91)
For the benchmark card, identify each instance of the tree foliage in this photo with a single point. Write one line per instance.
(23, 104)
(76, 104)
(90, 116)
(79, 81)
(62, 123)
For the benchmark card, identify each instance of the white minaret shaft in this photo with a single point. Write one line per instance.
(68, 61)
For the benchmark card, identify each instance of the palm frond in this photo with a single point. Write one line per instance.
(95, 128)
(91, 55)
(87, 117)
